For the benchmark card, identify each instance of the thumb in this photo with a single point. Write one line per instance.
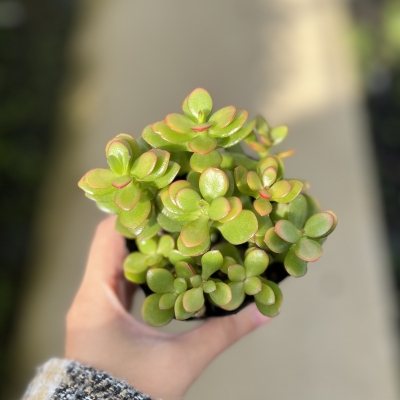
(217, 334)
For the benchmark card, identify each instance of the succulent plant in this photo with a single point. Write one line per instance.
(212, 228)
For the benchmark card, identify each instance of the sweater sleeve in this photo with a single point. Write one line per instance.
(66, 380)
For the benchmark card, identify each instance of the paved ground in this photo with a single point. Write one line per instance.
(132, 63)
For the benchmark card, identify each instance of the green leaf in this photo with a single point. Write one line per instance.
(240, 174)
(213, 183)
(168, 224)
(172, 136)
(238, 295)
(165, 245)
(180, 313)
(128, 197)
(155, 140)
(161, 165)
(219, 208)
(144, 165)
(209, 287)
(236, 208)
(287, 231)
(135, 217)
(262, 126)
(122, 230)
(319, 225)
(199, 100)
(184, 270)
(265, 296)
(297, 186)
(228, 250)
(99, 178)
(236, 273)
(239, 120)
(262, 206)
(135, 267)
(278, 134)
(274, 242)
(170, 174)
(240, 229)
(279, 211)
(193, 251)
(280, 189)
(252, 285)
(122, 181)
(202, 144)
(222, 295)
(237, 136)
(180, 285)
(211, 262)
(222, 118)
(116, 165)
(269, 176)
(297, 211)
(200, 163)
(187, 199)
(256, 262)
(196, 281)
(312, 205)
(108, 207)
(294, 265)
(160, 280)
(274, 309)
(254, 181)
(175, 256)
(193, 299)
(152, 314)
(179, 123)
(308, 249)
(196, 232)
(148, 246)
(167, 301)
(152, 228)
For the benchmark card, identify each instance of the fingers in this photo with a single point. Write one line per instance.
(106, 256)
(217, 334)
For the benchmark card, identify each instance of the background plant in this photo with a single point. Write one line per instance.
(208, 220)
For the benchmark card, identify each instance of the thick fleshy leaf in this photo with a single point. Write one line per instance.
(278, 134)
(262, 126)
(237, 136)
(168, 224)
(135, 267)
(171, 136)
(229, 250)
(187, 199)
(176, 187)
(297, 211)
(167, 301)
(262, 206)
(144, 165)
(122, 181)
(274, 309)
(222, 118)
(236, 208)
(297, 186)
(123, 231)
(209, 287)
(199, 100)
(312, 205)
(279, 211)
(193, 300)
(152, 313)
(202, 144)
(161, 165)
(184, 270)
(335, 218)
(252, 285)
(196, 281)
(100, 178)
(270, 161)
(165, 245)
(254, 181)
(108, 207)
(236, 273)
(287, 231)
(213, 183)
(179, 123)
(308, 249)
(196, 232)
(240, 174)
(211, 262)
(238, 295)
(175, 256)
(268, 177)
(193, 251)
(280, 189)
(201, 127)
(219, 208)
(265, 296)
(200, 163)
(180, 313)
(170, 174)
(151, 229)
(256, 262)
(155, 140)
(294, 265)
(148, 247)
(240, 229)
(135, 217)
(237, 123)
(160, 280)
(193, 178)
(222, 295)
(128, 197)
(274, 242)
(180, 285)
(319, 225)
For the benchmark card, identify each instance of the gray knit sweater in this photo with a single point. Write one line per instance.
(68, 380)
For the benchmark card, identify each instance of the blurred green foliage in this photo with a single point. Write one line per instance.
(376, 36)
(32, 39)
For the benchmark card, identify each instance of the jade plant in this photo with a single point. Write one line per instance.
(210, 227)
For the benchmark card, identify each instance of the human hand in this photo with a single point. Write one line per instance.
(102, 333)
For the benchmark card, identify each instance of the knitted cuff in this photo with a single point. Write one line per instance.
(66, 380)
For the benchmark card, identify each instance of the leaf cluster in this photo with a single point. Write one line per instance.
(208, 219)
